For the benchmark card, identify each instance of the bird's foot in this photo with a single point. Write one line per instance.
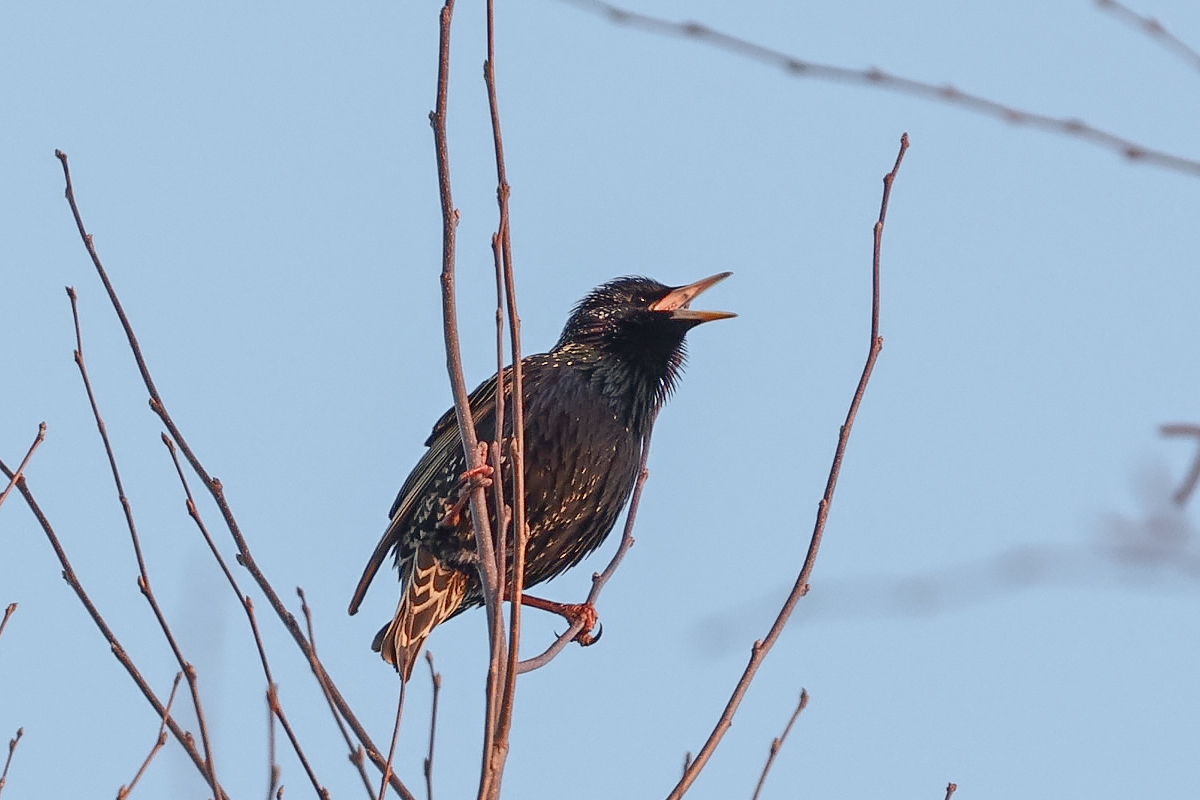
(478, 478)
(586, 614)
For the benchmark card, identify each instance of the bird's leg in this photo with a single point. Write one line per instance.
(478, 478)
(572, 613)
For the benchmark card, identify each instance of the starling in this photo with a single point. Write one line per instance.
(588, 403)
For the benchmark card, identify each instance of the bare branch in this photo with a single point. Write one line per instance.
(387, 770)
(12, 746)
(143, 581)
(159, 742)
(8, 612)
(37, 442)
(182, 736)
(759, 650)
(1154, 29)
(878, 78)
(217, 491)
(1184, 492)
(600, 579)
(436, 678)
(777, 743)
(502, 253)
(951, 788)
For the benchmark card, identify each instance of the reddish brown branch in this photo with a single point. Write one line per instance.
(12, 748)
(37, 442)
(436, 678)
(502, 252)
(8, 612)
(159, 743)
(777, 743)
(759, 649)
(143, 581)
(1184, 492)
(601, 578)
(951, 788)
(387, 770)
(182, 736)
(1154, 29)
(216, 490)
(878, 78)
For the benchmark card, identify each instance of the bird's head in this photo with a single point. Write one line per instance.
(632, 330)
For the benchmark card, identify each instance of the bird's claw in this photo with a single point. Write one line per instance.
(584, 613)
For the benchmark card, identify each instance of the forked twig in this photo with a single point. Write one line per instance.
(1184, 492)
(760, 648)
(1154, 29)
(436, 678)
(143, 581)
(217, 491)
(876, 77)
(37, 441)
(12, 746)
(777, 743)
(159, 743)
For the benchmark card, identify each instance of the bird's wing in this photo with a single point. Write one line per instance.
(444, 446)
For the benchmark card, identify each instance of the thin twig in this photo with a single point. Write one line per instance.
(1184, 492)
(217, 491)
(37, 441)
(12, 746)
(387, 770)
(1154, 29)
(248, 607)
(601, 578)
(951, 788)
(356, 752)
(436, 678)
(8, 612)
(143, 581)
(502, 252)
(777, 743)
(878, 78)
(159, 743)
(759, 649)
(182, 736)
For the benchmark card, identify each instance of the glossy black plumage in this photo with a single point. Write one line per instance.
(588, 403)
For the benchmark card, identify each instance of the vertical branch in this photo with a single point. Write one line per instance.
(436, 678)
(37, 441)
(143, 581)
(387, 770)
(217, 491)
(502, 252)
(759, 649)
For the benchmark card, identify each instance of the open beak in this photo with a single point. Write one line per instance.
(678, 299)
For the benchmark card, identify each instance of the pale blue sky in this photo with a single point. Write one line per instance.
(260, 181)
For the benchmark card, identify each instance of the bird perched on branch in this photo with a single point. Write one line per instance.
(588, 402)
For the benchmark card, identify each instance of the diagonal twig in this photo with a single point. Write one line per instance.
(159, 743)
(599, 579)
(37, 441)
(760, 648)
(387, 770)
(951, 788)
(1154, 29)
(8, 612)
(143, 580)
(777, 743)
(217, 492)
(878, 78)
(12, 747)
(182, 736)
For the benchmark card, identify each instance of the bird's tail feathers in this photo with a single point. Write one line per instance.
(432, 593)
